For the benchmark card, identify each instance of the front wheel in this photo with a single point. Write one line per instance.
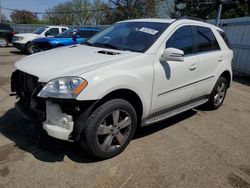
(3, 42)
(109, 129)
(31, 48)
(218, 94)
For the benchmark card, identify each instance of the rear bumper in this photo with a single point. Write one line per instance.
(19, 46)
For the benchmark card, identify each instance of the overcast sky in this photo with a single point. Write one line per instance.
(32, 5)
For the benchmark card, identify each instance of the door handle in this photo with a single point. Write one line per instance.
(220, 59)
(193, 67)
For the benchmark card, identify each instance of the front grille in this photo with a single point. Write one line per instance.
(27, 87)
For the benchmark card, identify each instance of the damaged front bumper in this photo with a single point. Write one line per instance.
(56, 116)
(58, 124)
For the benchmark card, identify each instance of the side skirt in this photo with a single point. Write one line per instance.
(155, 118)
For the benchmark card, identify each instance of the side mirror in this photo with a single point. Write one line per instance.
(74, 37)
(172, 54)
(46, 34)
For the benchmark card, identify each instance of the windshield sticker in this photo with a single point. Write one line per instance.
(148, 30)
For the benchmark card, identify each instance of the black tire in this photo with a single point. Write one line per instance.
(30, 48)
(216, 99)
(95, 141)
(3, 42)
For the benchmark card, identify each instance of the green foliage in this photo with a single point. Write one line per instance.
(207, 9)
(23, 17)
(129, 9)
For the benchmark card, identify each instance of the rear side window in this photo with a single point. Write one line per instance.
(206, 40)
(64, 29)
(5, 27)
(223, 35)
(182, 39)
(86, 33)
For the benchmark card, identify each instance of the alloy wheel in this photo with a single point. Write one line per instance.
(220, 94)
(114, 130)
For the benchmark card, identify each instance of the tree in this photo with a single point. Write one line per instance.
(207, 9)
(3, 18)
(60, 14)
(23, 16)
(129, 9)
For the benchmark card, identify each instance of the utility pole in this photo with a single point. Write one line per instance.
(218, 14)
(0, 11)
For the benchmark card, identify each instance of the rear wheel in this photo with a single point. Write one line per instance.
(218, 94)
(3, 42)
(109, 129)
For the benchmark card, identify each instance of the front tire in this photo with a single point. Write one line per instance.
(3, 42)
(109, 129)
(218, 94)
(30, 48)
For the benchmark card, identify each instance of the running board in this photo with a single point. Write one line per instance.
(175, 111)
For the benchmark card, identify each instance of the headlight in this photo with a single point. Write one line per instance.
(18, 38)
(63, 88)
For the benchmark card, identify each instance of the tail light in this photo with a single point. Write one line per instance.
(13, 33)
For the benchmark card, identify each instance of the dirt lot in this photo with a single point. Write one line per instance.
(195, 149)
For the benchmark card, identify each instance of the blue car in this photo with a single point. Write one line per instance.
(69, 37)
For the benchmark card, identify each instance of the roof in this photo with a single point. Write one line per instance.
(151, 20)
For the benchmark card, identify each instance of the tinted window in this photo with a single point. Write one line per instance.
(86, 33)
(206, 40)
(64, 29)
(5, 26)
(53, 32)
(223, 35)
(182, 39)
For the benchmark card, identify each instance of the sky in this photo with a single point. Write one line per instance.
(31, 5)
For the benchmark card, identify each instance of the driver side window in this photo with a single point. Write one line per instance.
(52, 32)
(182, 39)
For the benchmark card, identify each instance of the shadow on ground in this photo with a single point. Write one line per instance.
(17, 52)
(26, 137)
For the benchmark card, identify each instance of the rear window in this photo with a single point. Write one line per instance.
(5, 26)
(206, 40)
(223, 35)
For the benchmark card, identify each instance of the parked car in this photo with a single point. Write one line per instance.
(134, 73)
(69, 37)
(6, 34)
(23, 41)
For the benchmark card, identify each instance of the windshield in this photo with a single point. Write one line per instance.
(40, 30)
(67, 34)
(132, 36)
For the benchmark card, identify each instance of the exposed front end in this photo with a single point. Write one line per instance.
(56, 116)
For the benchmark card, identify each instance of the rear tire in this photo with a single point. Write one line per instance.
(109, 129)
(3, 42)
(218, 94)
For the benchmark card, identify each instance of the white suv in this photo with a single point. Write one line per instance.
(23, 42)
(134, 73)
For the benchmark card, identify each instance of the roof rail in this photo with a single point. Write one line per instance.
(191, 18)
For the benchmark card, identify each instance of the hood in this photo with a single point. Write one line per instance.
(26, 35)
(70, 61)
(50, 39)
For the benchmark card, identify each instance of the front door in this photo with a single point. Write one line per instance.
(174, 81)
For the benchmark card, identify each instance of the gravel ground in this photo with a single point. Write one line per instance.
(195, 149)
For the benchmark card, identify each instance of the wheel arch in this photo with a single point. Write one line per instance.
(227, 75)
(128, 95)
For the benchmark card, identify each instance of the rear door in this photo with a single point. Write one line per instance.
(209, 56)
